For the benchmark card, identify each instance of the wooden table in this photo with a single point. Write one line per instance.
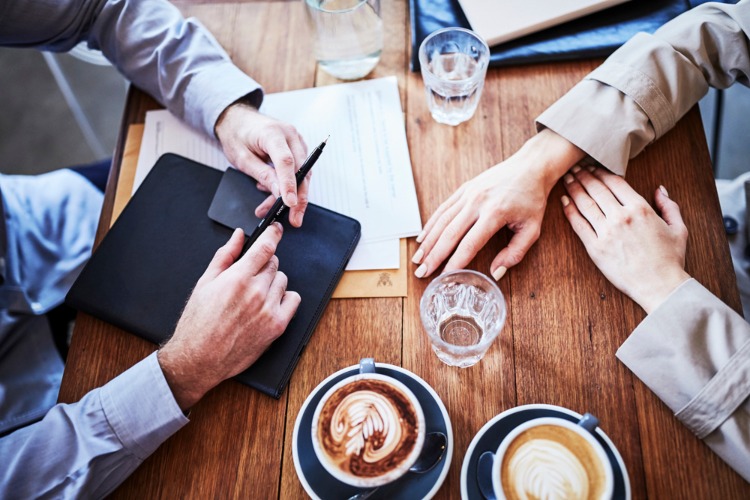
(565, 320)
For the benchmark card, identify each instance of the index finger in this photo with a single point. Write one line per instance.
(262, 250)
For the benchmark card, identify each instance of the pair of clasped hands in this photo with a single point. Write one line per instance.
(240, 305)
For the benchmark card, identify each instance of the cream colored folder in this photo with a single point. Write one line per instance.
(498, 21)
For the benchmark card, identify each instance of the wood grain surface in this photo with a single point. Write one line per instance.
(565, 321)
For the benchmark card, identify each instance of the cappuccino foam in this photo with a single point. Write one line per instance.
(552, 462)
(368, 428)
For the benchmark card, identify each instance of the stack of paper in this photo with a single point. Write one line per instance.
(365, 171)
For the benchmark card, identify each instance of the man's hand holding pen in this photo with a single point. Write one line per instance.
(252, 140)
(272, 210)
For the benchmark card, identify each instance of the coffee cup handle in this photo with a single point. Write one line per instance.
(367, 365)
(589, 422)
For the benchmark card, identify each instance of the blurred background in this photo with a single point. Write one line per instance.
(63, 110)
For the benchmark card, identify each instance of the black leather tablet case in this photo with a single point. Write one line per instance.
(142, 273)
(595, 35)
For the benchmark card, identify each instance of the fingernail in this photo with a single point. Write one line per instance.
(576, 169)
(279, 226)
(591, 168)
(418, 256)
(664, 191)
(565, 201)
(275, 189)
(568, 178)
(298, 219)
(421, 237)
(499, 272)
(421, 271)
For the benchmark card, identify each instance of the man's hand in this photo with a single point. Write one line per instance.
(513, 193)
(250, 140)
(639, 252)
(238, 307)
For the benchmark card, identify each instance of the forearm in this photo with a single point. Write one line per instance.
(174, 59)
(694, 353)
(88, 448)
(647, 85)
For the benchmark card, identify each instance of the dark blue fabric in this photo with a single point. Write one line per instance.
(595, 35)
(96, 173)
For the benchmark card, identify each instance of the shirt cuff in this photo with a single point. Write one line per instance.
(141, 409)
(584, 116)
(693, 352)
(213, 89)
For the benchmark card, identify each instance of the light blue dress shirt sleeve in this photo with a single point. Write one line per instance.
(174, 59)
(87, 449)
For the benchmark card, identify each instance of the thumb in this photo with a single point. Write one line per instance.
(669, 210)
(516, 250)
(225, 256)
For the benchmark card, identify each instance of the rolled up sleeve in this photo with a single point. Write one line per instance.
(651, 82)
(693, 351)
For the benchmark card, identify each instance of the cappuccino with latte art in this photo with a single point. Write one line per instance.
(550, 458)
(368, 430)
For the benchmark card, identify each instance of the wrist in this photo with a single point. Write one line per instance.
(550, 156)
(186, 391)
(660, 290)
(247, 102)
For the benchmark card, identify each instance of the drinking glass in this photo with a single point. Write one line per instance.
(463, 312)
(454, 64)
(348, 36)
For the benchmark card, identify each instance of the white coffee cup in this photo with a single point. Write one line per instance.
(374, 428)
(555, 456)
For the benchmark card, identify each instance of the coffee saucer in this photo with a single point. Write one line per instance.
(319, 484)
(489, 437)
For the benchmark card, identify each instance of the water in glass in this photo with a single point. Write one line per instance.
(348, 36)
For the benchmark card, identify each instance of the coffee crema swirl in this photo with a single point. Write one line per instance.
(368, 428)
(549, 462)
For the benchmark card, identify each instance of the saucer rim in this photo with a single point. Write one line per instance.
(536, 406)
(448, 426)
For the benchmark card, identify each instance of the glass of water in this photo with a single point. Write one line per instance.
(348, 36)
(454, 63)
(463, 312)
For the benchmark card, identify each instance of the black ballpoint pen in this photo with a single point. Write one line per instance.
(279, 209)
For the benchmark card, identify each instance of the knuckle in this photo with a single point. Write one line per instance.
(589, 205)
(276, 325)
(643, 209)
(283, 279)
(513, 257)
(265, 177)
(451, 233)
(266, 248)
(273, 264)
(287, 160)
(254, 293)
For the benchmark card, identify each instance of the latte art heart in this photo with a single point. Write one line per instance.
(368, 428)
(552, 462)
(546, 469)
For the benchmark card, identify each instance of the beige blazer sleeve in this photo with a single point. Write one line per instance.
(641, 90)
(693, 351)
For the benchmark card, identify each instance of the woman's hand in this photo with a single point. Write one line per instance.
(513, 193)
(641, 253)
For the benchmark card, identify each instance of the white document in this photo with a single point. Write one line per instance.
(364, 172)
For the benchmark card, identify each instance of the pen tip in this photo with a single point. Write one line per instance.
(326, 141)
